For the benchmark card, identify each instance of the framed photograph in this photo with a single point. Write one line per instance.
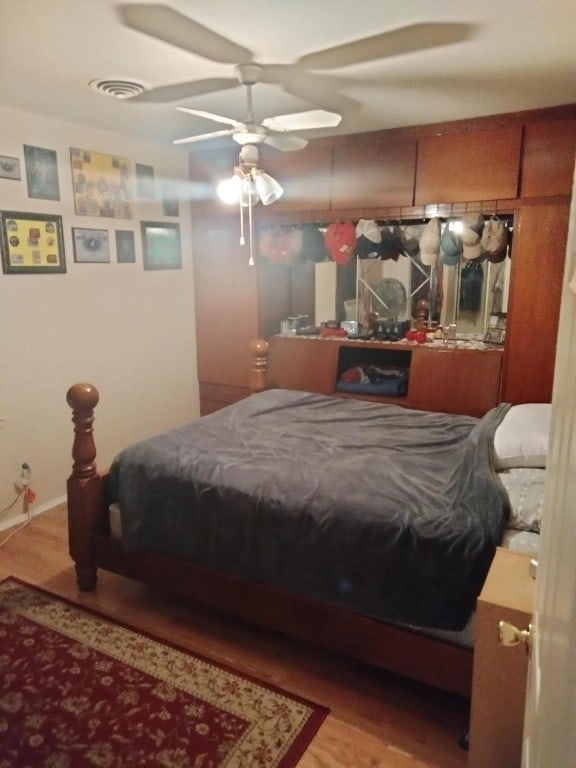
(91, 245)
(170, 206)
(101, 183)
(32, 243)
(125, 250)
(161, 247)
(145, 181)
(42, 173)
(9, 167)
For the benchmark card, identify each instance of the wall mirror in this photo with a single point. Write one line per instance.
(464, 287)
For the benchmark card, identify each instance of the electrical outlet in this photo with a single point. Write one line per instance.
(25, 474)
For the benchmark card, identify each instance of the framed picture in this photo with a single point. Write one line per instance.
(125, 250)
(161, 245)
(9, 167)
(145, 181)
(170, 205)
(102, 185)
(90, 245)
(42, 173)
(31, 243)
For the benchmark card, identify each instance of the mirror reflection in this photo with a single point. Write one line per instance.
(442, 271)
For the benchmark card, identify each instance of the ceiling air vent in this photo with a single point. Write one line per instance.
(120, 89)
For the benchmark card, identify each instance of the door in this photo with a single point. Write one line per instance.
(550, 716)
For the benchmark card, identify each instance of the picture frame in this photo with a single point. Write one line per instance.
(91, 246)
(161, 246)
(31, 243)
(101, 184)
(125, 248)
(145, 187)
(170, 202)
(10, 168)
(41, 173)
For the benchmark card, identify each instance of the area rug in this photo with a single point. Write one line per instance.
(78, 690)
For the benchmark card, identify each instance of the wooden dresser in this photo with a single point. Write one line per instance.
(499, 672)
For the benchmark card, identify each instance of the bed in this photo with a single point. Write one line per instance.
(360, 527)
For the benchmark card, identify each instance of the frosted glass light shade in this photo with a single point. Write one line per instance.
(267, 188)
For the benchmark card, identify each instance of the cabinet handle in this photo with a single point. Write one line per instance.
(509, 635)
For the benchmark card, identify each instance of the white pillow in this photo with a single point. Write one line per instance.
(521, 438)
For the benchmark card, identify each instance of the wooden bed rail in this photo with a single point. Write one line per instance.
(84, 486)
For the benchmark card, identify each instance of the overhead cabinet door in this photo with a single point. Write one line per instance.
(469, 166)
(373, 174)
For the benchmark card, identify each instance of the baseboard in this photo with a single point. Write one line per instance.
(12, 521)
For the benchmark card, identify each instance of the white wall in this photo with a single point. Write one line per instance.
(129, 332)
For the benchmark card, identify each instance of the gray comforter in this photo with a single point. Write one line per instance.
(389, 512)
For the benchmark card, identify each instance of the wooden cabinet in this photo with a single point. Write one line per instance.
(302, 363)
(455, 381)
(473, 165)
(226, 313)
(448, 380)
(548, 158)
(538, 256)
(389, 175)
(372, 174)
(499, 672)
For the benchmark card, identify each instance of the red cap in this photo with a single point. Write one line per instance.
(340, 241)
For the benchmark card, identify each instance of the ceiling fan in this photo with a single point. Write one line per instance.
(309, 78)
(273, 130)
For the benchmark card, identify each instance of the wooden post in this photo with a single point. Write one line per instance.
(85, 496)
(259, 352)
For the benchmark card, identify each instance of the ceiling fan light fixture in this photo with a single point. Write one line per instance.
(229, 190)
(268, 189)
(249, 134)
(239, 189)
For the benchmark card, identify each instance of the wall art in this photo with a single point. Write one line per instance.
(102, 184)
(90, 245)
(9, 167)
(170, 206)
(31, 243)
(42, 173)
(125, 250)
(161, 247)
(145, 181)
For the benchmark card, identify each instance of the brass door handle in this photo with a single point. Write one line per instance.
(509, 635)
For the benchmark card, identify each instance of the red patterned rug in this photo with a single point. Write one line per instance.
(79, 690)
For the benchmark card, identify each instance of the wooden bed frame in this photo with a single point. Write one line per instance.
(428, 660)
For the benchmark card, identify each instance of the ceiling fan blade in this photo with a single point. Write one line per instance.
(179, 91)
(321, 90)
(170, 26)
(285, 142)
(209, 116)
(301, 121)
(203, 137)
(394, 42)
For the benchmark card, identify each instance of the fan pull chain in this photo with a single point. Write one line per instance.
(250, 229)
(242, 240)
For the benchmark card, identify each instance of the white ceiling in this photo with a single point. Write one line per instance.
(520, 54)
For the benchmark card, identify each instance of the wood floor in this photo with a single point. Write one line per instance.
(376, 720)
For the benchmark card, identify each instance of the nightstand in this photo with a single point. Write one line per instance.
(499, 672)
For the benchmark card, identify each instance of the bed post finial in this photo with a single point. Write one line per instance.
(259, 352)
(83, 398)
